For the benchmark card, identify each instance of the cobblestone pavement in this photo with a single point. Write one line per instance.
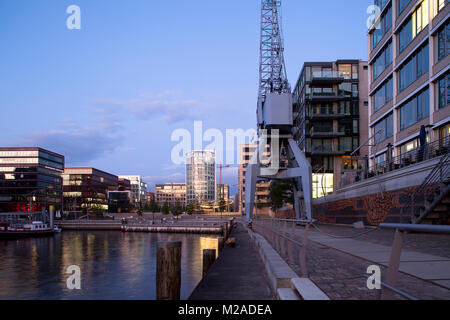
(341, 275)
(425, 243)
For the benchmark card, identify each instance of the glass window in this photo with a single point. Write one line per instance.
(355, 72)
(383, 95)
(383, 60)
(416, 109)
(346, 70)
(402, 4)
(443, 94)
(383, 129)
(414, 68)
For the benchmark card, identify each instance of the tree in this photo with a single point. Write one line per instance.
(177, 209)
(280, 194)
(154, 206)
(139, 209)
(166, 208)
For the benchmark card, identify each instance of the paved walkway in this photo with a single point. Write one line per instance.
(420, 265)
(238, 274)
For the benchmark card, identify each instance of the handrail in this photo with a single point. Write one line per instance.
(440, 172)
(436, 229)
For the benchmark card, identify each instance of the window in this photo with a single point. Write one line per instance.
(405, 36)
(355, 72)
(416, 109)
(382, 61)
(345, 89)
(385, 23)
(414, 68)
(383, 95)
(345, 70)
(402, 4)
(415, 24)
(383, 129)
(443, 39)
(441, 4)
(443, 93)
(346, 144)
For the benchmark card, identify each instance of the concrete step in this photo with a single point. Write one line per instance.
(287, 294)
(308, 289)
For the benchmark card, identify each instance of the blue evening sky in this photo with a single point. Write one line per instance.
(111, 94)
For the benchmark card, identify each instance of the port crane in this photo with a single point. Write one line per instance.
(275, 122)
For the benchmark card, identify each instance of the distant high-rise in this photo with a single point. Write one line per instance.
(200, 176)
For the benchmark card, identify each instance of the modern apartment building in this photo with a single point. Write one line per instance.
(171, 193)
(330, 119)
(409, 82)
(30, 179)
(138, 189)
(262, 202)
(87, 189)
(200, 177)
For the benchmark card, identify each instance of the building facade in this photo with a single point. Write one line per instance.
(409, 89)
(200, 177)
(262, 201)
(174, 194)
(138, 189)
(120, 202)
(150, 197)
(86, 189)
(30, 179)
(330, 119)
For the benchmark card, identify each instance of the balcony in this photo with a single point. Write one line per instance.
(326, 116)
(325, 134)
(324, 97)
(325, 151)
(327, 77)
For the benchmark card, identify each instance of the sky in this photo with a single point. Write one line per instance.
(110, 94)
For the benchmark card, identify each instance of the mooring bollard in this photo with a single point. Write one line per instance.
(220, 244)
(209, 256)
(168, 271)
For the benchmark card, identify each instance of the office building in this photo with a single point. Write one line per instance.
(86, 189)
(120, 202)
(330, 119)
(200, 177)
(138, 189)
(409, 89)
(174, 194)
(30, 180)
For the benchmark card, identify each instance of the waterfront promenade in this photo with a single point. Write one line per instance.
(238, 273)
(337, 259)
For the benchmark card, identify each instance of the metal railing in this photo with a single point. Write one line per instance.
(439, 174)
(428, 151)
(280, 233)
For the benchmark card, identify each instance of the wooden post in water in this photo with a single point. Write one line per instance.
(221, 244)
(168, 270)
(209, 256)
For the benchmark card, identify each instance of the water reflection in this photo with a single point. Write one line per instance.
(114, 265)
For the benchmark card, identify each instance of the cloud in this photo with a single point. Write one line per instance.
(168, 105)
(79, 146)
(152, 181)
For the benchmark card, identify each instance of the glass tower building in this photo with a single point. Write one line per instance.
(200, 177)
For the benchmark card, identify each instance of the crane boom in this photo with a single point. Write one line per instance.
(272, 68)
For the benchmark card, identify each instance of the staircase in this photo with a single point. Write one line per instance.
(435, 191)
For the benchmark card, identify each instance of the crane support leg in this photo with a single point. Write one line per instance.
(298, 171)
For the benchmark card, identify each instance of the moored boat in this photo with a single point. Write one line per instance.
(31, 229)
